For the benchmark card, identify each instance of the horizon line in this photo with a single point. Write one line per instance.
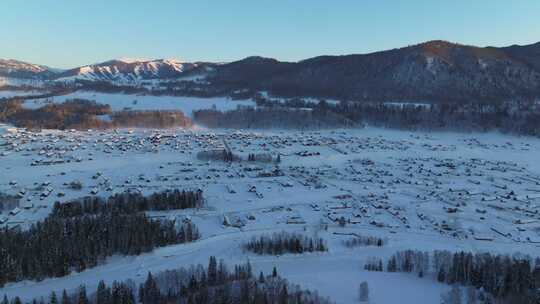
(142, 59)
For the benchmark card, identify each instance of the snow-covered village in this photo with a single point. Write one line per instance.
(331, 153)
(416, 191)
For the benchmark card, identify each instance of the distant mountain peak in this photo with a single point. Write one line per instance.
(12, 68)
(432, 70)
(129, 70)
(12, 64)
(132, 60)
(258, 59)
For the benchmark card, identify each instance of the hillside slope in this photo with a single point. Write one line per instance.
(435, 70)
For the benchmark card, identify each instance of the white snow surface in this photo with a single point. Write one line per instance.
(312, 100)
(147, 102)
(415, 176)
(15, 93)
(21, 82)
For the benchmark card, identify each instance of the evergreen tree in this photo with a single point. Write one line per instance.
(151, 292)
(103, 293)
(65, 298)
(53, 299)
(283, 296)
(82, 298)
(212, 270)
(188, 285)
(364, 292)
(69, 237)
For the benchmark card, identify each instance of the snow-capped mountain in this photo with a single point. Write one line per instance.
(19, 73)
(11, 65)
(123, 71)
(19, 69)
(434, 70)
(129, 71)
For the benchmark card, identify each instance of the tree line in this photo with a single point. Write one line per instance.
(515, 278)
(518, 117)
(129, 203)
(271, 117)
(224, 155)
(362, 240)
(84, 114)
(213, 284)
(263, 158)
(512, 279)
(72, 114)
(284, 242)
(80, 238)
(150, 119)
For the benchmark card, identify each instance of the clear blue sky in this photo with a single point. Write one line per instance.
(68, 33)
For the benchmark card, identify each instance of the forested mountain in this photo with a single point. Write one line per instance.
(432, 71)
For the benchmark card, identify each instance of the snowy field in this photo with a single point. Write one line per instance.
(16, 93)
(120, 102)
(472, 192)
(20, 82)
(312, 100)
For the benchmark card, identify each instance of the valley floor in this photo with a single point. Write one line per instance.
(422, 191)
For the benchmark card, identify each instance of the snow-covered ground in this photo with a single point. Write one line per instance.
(312, 100)
(422, 191)
(21, 82)
(147, 102)
(15, 93)
(402, 104)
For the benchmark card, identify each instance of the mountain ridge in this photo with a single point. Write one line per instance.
(432, 70)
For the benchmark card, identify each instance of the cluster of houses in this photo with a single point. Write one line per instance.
(455, 197)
